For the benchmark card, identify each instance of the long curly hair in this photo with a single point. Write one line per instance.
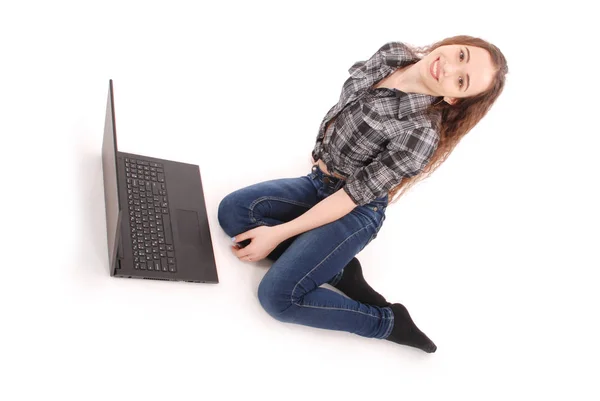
(458, 119)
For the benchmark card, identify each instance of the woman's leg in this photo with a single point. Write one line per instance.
(287, 199)
(316, 256)
(290, 289)
(291, 292)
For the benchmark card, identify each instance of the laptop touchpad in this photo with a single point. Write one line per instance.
(188, 227)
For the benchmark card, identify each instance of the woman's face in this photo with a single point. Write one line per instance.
(456, 71)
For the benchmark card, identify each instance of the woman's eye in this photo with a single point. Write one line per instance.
(460, 82)
(462, 55)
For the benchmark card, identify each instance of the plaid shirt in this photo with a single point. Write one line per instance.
(377, 136)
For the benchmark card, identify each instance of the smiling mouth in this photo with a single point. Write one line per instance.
(434, 69)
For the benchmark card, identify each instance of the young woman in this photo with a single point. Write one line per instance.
(398, 117)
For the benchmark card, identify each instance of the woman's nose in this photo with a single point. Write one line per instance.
(448, 69)
(451, 69)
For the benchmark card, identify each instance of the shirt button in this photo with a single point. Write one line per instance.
(375, 208)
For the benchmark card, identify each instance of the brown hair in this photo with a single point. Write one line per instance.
(458, 119)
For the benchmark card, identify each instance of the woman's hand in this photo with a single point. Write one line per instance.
(264, 240)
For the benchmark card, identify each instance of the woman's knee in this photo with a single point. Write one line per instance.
(274, 298)
(229, 214)
(222, 214)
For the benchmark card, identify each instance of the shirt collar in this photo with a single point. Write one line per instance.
(412, 102)
(400, 56)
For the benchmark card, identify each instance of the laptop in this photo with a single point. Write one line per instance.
(156, 220)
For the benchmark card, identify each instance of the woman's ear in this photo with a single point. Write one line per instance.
(450, 100)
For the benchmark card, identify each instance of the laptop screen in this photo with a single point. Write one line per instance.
(109, 168)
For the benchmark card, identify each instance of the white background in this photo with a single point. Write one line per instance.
(495, 255)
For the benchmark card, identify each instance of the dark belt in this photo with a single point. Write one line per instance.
(327, 179)
(334, 175)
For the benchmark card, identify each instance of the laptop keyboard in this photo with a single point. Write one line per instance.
(150, 221)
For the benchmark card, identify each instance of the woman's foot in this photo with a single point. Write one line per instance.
(405, 331)
(354, 285)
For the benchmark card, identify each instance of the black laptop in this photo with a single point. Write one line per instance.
(156, 220)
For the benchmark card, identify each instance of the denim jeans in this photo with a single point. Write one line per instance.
(291, 289)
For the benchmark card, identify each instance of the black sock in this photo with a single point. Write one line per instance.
(405, 331)
(354, 285)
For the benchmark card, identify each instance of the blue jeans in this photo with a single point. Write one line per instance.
(290, 290)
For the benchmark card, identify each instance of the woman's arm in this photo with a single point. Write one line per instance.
(330, 209)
